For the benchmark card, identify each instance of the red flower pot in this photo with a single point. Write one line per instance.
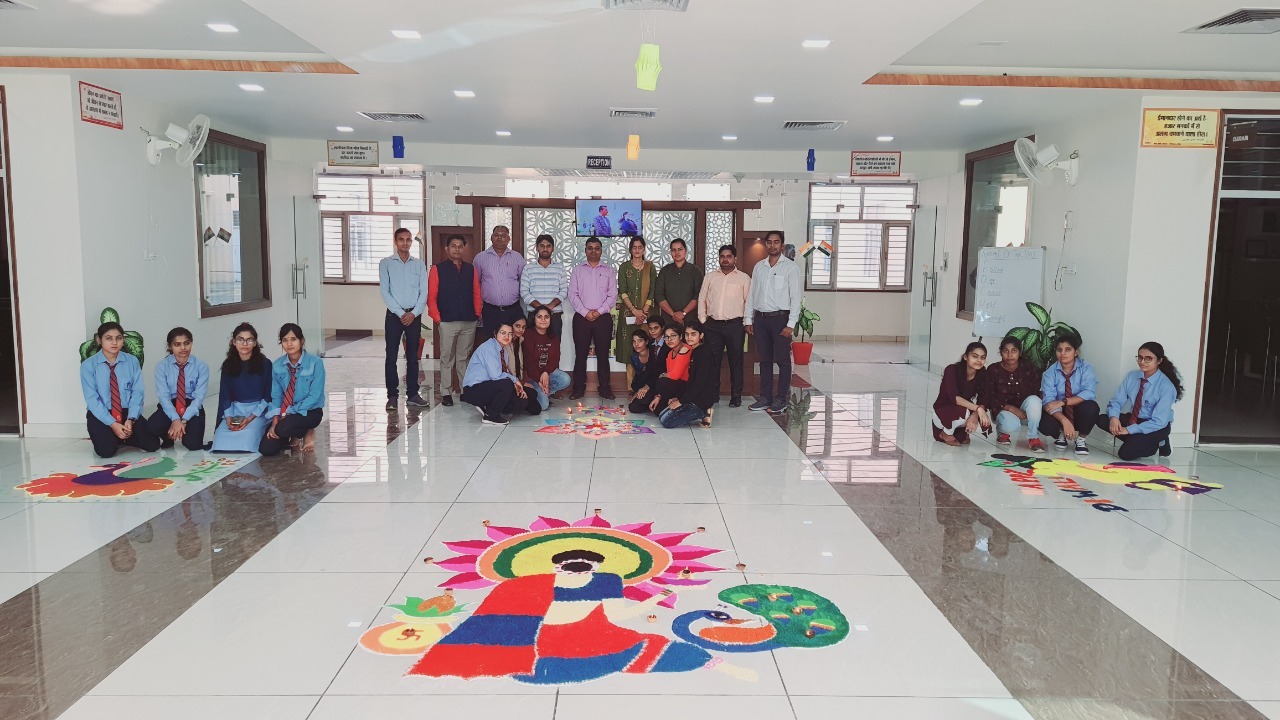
(802, 352)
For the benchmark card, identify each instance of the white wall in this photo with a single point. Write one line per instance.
(47, 236)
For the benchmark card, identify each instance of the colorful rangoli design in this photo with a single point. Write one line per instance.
(597, 422)
(1027, 472)
(122, 479)
(560, 593)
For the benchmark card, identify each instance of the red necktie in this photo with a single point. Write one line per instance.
(288, 392)
(1137, 401)
(1067, 410)
(502, 353)
(116, 412)
(180, 401)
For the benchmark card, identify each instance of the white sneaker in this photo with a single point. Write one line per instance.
(1081, 448)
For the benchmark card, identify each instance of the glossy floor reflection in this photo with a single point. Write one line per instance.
(968, 595)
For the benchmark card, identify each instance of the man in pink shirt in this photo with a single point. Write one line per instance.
(593, 291)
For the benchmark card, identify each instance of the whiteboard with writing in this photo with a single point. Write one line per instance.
(1008, 278)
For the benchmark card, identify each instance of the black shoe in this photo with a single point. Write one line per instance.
(391, 404)
(491, 420)
(607, 394)
(1165, 449)
(447, 401)
(735, 402)
(416, 401)
(577, 394)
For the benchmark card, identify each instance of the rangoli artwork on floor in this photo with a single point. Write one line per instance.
(124, 478)
(1027, 472)
(560, 596)
(595, 423)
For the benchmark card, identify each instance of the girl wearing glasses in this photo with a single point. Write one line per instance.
(1149, 392)
(672, 381)
(489, 384)
(701, 391)
(243, 393)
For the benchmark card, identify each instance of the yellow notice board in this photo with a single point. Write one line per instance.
(1180, 127)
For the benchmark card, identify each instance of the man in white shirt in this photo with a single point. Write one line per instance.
(402, 279)
(722, 305)
(773, 308)
(545, 283)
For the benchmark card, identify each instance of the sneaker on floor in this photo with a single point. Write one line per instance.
(479, 410)
(1002, 439)
(735, 402)
(1060, 442)
(416, 401)
(777, 408)
(577, 394)
(1081, 448)
(447, 401)
(391, 404)
(1035, 445)
(489, 420)
(759, 405)
(1165, 449)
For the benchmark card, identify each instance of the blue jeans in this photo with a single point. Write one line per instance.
(1008, 423)
(557, 380)
(685, 414)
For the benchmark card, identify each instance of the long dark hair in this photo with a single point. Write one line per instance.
(962, 366)
(534, 325)
(174, 334)
(233, 365)
(1166, 365)
(970, 348)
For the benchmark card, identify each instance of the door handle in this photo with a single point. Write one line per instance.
(933, 297)
(925, 300)
(299, 286)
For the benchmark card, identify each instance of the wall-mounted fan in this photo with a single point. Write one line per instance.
(188, 141)
(1039, 163)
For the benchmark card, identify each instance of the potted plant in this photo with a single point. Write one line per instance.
(1037, 343)
(801, 347)
(132, 340)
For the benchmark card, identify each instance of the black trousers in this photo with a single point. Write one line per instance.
(106, 444)
(290, 427)
(412, 334)
(159, 424)
(773, 348)
(1137, 445)
(495, 315)
(722, 336)
(495, 397)
(585, 332)
(557, 323)
(1086, 417)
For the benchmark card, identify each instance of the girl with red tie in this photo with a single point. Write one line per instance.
(112, 385)
(297, 395)
(182, 380)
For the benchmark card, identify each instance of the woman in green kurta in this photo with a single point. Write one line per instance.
(636, 279)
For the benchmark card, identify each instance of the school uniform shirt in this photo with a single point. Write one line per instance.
(308, 389)
(1084, 383)
(196, 377)
(1158, 398)
(95, 382)
(486, 364)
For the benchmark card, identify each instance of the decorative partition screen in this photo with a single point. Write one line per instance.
(720, 231)
(559, 225)
(660, 228)
(493, 217)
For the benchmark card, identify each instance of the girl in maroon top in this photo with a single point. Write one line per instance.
(540, 358)
(956, 412)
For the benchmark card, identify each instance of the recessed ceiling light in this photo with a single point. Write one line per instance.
(344, 128)
(222, 27)
(971, 102)
(464, 93)
(818, 44)
(764, 98)
(884, 138)
(728, 137)
(250, 87)
(407, 34)
(503, 133)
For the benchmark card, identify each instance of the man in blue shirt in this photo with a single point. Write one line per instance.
(403, 281)
(602, 227)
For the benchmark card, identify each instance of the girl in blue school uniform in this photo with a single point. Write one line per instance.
(297, 395)
(243, 394)
(112, 383)
(182, 381)
(1069, 393)
(1149, 392)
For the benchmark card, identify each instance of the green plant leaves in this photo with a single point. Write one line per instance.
(133, 344)
(1061, 329)
(1040, 314)
(132, 339)
(109, 315)
(87, 349)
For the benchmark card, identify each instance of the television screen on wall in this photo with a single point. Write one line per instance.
(608, 218)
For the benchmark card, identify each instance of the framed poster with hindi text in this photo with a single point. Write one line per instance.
(875, 163)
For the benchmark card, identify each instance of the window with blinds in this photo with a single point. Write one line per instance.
(867, 229)
(359, 214)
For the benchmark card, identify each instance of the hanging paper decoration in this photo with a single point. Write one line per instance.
(633, 147)
(648, 67)
(810, 161)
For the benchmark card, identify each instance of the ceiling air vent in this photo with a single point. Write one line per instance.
(395, 117)
(813, 125)
(633, 113)
(676, 5)
(1245, 21)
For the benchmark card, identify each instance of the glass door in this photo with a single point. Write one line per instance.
(306, 285)
(924, 286)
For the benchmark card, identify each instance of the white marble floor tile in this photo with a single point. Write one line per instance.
(351, 538)
(12, 583)
(571, 706)
(1270, 587)
(663, 443)
(650, 479)
(257, 634)
(823, 540)
(523, 442)
(1236, 541)
(1092, 544)
(470, 705)
(746, 443)
(435, 479)
(1231, 629)
(51, 535)
(740, 481)
(511, 478)
(810, 707)
(1269, 708)
(213, 707)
